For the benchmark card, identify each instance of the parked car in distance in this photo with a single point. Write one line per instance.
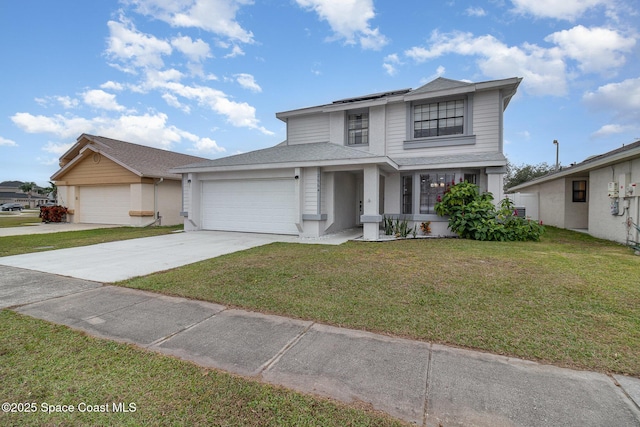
(11, 207)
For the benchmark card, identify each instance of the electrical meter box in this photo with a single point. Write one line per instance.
(632, 190)
(613, 189)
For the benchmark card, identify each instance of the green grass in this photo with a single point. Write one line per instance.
(50, 364)
(15, 245)
(570, 299)
(12, 219)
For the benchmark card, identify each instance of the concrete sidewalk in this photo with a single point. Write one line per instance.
(425, 384)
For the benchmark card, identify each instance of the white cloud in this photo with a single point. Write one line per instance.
(611, 129)
(67, 102)
(239, 114)
(216, 16)
(7, 142)
(57, 148)
(174, 102)
(235, 51)
(390, 64)
(207, 145)
(595, 49)
(622, 99)
(134, 49)
(439, 72)
(98, 98)
(196, 51)
(147, 129)
(566, 9)
(475, 11)
(247, 81)
(50, 161)
(110, 85)
(349, 20)
(543, 69)
(62, 126)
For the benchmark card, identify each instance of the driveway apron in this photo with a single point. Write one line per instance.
(115, 261)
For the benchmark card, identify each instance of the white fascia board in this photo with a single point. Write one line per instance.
(440, 93)
(71, 163)
(354, 105)
(283, 115)
(499, 84)
(81, 155)
(457, 165)
(597, 164)
(287, 165)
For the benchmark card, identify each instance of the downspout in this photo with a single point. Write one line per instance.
(158, 218)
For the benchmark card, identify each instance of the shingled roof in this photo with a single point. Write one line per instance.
(146, 162)
(292, 155)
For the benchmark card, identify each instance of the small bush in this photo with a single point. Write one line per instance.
(474, 216)
(397, 228)
(53, 213)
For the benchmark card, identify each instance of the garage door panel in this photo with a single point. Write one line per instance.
(258, 205)
(105, 204)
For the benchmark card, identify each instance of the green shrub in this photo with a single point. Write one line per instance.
(474, 216)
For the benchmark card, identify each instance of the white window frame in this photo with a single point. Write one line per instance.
(465, 138)
(449, 176)
(362, 130)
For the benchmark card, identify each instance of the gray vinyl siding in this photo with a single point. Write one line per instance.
(487, 121)
(308, 129)
(396, 129)
(186, 193)
(310, 188)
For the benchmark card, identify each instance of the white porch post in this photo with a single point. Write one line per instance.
(371, 218)
(495, 182)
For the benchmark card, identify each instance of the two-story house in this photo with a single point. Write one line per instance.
(351, 162)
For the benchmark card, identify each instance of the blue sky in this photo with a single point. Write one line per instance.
(206, 77)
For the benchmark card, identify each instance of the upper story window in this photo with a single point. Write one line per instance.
(358, 128)
(438, 119)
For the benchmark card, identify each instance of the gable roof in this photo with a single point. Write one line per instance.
(441, 83)
(440, 87)
(626, 152)
(146, 162)
(299, 155)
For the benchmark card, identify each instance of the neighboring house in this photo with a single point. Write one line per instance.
(599, 195)
(10, 193)
(106, 181)
(351, 162)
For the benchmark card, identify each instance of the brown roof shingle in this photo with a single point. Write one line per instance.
(144, 161)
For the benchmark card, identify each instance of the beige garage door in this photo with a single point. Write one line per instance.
(107, 204)
(249, 205)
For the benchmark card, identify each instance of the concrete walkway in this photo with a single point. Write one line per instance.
(426, 384)
(422, 383)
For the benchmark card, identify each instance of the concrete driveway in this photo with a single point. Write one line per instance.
(114, 261)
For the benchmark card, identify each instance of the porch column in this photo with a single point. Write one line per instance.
(371, 218)
(495, 182)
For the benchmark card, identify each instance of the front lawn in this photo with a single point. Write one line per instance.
(14, 219)
(16, 245)
(570, 299)
(47, 367)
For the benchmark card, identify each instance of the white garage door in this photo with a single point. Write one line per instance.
(105, 205)
(249, 205)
